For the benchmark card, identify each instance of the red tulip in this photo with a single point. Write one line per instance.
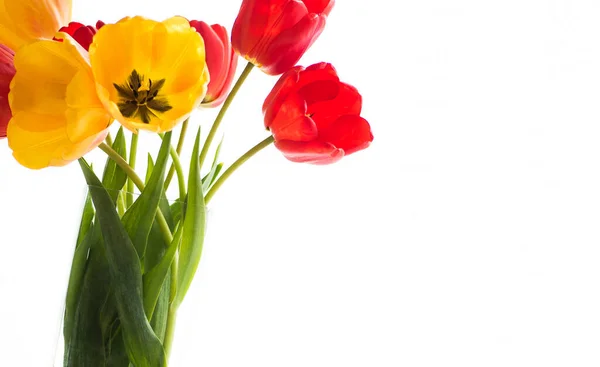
(7, 71)
(221, 61)
(274, 34)
(81, 33)
(315, 118)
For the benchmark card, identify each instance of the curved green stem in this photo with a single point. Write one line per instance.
(226, 104)
(132, 159)
(139, 183)
(237, 164)
(184, 127)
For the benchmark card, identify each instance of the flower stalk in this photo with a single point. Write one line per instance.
(237, 164)
(223, 110)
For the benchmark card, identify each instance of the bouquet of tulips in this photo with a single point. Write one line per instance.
(62, 86)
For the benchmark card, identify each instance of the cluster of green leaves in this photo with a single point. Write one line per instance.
(133, 265)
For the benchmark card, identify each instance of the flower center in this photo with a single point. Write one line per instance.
(139, 99)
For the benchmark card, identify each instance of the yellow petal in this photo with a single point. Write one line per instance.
(57, 116)
(22, 21)
(169, 52)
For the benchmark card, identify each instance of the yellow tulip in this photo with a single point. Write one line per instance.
(57, 116)
(22, 21)
(149, 75)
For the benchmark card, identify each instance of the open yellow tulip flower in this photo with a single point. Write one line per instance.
(149, 75)
(22, 21)
(57, 116)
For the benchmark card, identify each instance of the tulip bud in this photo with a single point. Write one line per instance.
(221, 61)
(83, 34)
(7, 72)
(274, 34)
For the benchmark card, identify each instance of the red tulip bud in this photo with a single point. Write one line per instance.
(274, 34)
(221, 61)
(83, 34)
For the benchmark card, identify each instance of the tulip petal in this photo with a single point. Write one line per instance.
(287, 47)
(22, 21)
(279, 93)
(314, 152)
(292, 123)
(350, 133)
(319, 6)
(7, 72)
(347, 102)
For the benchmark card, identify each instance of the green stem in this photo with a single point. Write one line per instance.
(132, 159)
(237, 164)
(184, 127)
(230, 97)
(179, 169)
(160, 218)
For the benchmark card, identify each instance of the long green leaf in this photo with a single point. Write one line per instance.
(84, 345)
(140, 216)
(154, 279)
(142, 345)
(194, 225)
(114, 177)
(86, 218)
(76, 279)
(149, 169)
(211, 177)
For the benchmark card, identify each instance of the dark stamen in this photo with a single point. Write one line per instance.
(141, 103)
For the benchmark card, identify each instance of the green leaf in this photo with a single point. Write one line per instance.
(76, 280)
(142, 345)
(214, 169)
(177, 210)
(114, 177)
(154, 279)
(211, 177)
(161, 311)
(194, 224)
(140, 216)
(84, 345)
(86, 219)
(149, 169)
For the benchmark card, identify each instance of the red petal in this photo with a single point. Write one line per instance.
(347, 102)
(288, 47)
(279, 93)
(258, 22)
(291, 122)
(350, 133)
(314, 152)
(7, 72)
(319, 6)
(216, 59)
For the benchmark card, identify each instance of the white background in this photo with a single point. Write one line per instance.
(466, 235)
